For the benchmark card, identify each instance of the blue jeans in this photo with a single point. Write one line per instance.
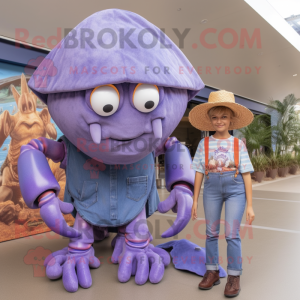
(219, 188)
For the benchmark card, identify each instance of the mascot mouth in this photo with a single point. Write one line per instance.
(126, 140)
(95, 132)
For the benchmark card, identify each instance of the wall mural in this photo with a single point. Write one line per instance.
(22, 117)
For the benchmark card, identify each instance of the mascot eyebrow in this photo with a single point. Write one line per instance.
(116, 103)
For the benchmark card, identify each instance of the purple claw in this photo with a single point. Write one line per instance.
(51, 213)
(180, 199)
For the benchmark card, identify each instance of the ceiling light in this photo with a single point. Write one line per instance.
(204, 21)
(295, 75)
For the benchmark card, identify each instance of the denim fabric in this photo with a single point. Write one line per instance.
(109, 195)
(219, 188)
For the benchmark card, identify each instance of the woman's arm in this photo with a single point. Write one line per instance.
(248, 189)
(197, 188)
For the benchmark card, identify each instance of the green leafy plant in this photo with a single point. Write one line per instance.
(272, 161)
(283, 161)
(257, 134)
(288, 158)
(291, 161)
(260, 162)
(280, 161)
(287, 132)
(296, 149)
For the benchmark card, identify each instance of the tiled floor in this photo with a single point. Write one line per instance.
(270, 253)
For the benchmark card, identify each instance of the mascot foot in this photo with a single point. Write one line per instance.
(64, 262)
(148, 262)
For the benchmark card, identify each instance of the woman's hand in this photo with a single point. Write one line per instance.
(250, 214)
(194, 211)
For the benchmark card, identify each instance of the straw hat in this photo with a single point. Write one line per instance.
(199, 118)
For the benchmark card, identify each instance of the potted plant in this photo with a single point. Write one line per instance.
(287, 131)
(259, 163)
(294, 167)
(292, 164)
(288, 159)
(257, 134)
(272, 169)
(282, 164)
(289, 162)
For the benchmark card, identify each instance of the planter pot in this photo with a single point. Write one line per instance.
(281, 172)
(286, 170)
(253, 175)
(293, 170)
(259, 176)
(268, 173)
(273, 173)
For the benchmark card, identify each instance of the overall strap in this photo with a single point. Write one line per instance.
(236, 155)
(206, 150)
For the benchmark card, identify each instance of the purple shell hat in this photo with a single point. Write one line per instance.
(116, 86)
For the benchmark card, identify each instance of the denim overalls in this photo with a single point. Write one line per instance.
(225, 187)
(109, 195)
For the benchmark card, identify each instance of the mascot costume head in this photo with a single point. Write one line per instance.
(116, 80)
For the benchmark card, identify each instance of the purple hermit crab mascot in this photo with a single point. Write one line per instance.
(117, 87)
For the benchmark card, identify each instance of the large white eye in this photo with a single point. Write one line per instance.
(105, 100)
(145, 97)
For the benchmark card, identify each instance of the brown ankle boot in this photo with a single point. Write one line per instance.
(210, 279)
(232, 287)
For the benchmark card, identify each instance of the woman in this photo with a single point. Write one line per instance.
(224, 161)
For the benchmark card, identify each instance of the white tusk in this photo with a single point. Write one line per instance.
(157, 128)
(95, 131)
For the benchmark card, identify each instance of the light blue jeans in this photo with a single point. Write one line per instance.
(219, 188)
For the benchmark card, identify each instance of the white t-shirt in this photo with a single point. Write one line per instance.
(221, 156)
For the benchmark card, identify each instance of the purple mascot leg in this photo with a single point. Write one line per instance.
(80, 255)
(138, 255)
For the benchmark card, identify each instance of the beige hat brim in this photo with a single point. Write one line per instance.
(199, 118)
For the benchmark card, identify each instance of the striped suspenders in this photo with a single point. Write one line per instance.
(236, 155)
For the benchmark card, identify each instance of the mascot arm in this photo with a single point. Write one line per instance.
(180, 183)
(178, 165)
(39, 187)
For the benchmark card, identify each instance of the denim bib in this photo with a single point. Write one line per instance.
(109, 195)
